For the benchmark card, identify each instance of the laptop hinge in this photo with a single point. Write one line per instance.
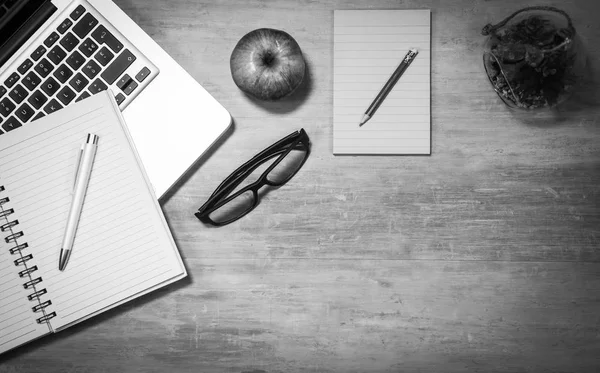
(23, 22)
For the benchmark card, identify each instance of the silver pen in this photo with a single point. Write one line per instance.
(82, 179)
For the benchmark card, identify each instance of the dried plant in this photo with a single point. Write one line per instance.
(530, 62)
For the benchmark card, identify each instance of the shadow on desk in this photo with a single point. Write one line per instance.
(584, 101)
(587, 95)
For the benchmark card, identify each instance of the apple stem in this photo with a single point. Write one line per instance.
(268, 58)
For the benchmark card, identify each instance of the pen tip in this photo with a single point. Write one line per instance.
(364, 120)
(62, 259)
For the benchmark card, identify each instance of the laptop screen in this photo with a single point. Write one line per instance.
(19, 19)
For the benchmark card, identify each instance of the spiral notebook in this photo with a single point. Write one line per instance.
(123, 247)
(368, 46)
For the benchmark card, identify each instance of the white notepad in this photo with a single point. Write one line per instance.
(368, 46)
(123, 247)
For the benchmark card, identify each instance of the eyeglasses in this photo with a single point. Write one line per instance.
(227, 205)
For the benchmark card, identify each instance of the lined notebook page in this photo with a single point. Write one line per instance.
(368, 46)
(123, 246)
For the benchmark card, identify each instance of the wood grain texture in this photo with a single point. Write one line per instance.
(482, 257)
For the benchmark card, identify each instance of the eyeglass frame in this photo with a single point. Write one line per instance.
(220, 196)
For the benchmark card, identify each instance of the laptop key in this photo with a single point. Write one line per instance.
(87, 24)
(63, 73)
(6, 107)
(26, 65)
(104, 56)
(2, 91)
(12, 80)
(51, 39)
(50, 86)
(38, 53)
(52, 106)
(88, 47)
(103, 36)
(127, 84)
(79, 82)
(78, 12)
(10, 124)
(130, 87)
(91, 69)
(97, 86)
(75, 60)
(69, 41)
(66, 95)
(56, 55)
(84, 95)
(64, 26)
(143, 74)
(43, 67)
(118, 67)
(38, 116)
(37, 99)
(18, 93)
(125, 79)
(119, 98)
(25, 112)
(31, 81)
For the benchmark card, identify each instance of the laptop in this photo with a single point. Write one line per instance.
(57, 52)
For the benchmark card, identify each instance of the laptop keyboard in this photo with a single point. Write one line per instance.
(79, 58)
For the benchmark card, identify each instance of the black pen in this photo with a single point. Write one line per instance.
(410, 56)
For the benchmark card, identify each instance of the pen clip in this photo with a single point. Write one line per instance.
(77, 167)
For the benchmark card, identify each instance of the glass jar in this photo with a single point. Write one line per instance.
(533, 58)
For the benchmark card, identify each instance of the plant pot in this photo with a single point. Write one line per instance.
(533, 58)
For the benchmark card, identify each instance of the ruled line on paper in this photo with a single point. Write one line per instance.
(368, 46)
(22, 335)
(97, 303)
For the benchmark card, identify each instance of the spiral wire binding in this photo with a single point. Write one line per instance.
(14, 236)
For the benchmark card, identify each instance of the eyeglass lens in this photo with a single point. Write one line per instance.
(234, 208)
(279, 175)
(288, 166)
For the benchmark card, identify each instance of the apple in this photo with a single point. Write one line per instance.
(267, 64)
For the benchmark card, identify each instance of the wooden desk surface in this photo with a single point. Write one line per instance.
(482, 257)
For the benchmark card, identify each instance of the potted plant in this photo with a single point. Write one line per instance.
(532, 58)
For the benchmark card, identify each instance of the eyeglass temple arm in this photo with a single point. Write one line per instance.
(241, 172)
(236, 177)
